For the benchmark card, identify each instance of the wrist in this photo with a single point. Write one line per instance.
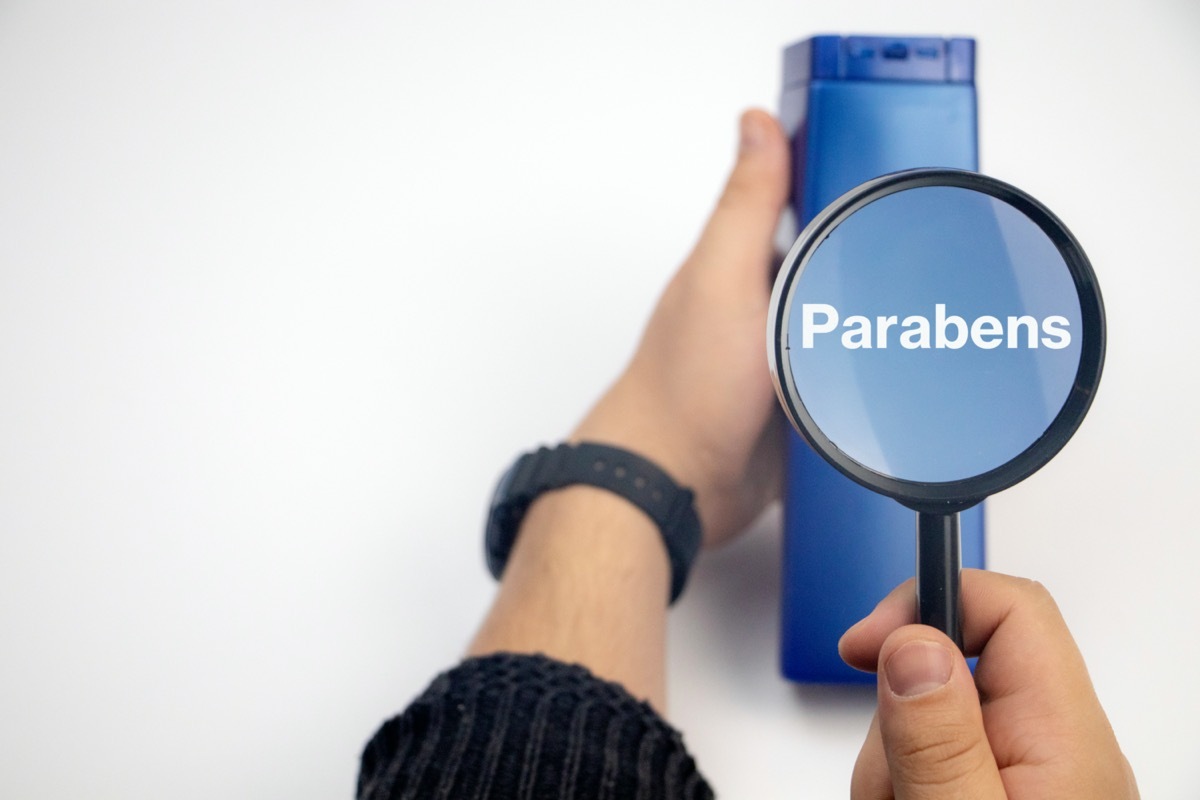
(582, 536)
(629, 418)
(586, 583)
(628, 476)
(632, 416)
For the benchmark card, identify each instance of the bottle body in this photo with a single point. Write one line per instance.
(856, 108)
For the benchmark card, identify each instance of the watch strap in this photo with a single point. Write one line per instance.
(626, 474)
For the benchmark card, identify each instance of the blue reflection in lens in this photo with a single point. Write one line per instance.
(935, 414)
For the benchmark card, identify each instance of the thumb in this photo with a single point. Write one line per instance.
(930, 720)
(738, 236)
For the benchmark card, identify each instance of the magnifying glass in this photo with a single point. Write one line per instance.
(937, 336)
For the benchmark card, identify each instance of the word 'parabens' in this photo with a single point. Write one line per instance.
(944, 332)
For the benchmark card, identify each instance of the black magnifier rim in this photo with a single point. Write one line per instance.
(948, 496)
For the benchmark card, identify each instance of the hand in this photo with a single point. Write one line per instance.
(697, 397)
(1029, 725)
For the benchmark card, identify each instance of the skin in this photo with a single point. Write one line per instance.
(588, 579)
(1029, 725)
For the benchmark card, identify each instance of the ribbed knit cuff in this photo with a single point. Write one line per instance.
(524, 726)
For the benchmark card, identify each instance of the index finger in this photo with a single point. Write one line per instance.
(993, 604)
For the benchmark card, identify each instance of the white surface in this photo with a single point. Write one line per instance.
(284, 285)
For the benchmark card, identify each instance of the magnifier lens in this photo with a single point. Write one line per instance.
(936, 335)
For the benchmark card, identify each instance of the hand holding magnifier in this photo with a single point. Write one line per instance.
(937, 336)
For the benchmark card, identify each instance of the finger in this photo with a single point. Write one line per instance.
(930, 721)
(870, 780)
(1035, 688)
(739, 234)
(859, 646)
(1015, 620)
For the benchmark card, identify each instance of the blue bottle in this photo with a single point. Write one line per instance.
(857, 107)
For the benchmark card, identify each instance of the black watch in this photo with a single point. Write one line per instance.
(620, 471)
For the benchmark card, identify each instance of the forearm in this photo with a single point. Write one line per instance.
(587, 582)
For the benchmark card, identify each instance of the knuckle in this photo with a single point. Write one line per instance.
(738, 193)
(938, 758)
(1028, 587)
(1035, 595)
(1036, 589)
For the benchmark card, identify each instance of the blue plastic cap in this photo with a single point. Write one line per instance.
(880, 58)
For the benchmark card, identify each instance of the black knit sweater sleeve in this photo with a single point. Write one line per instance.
(521, 726)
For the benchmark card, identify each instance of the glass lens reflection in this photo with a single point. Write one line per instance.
(935, 334)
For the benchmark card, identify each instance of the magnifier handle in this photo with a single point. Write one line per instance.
(939, 562)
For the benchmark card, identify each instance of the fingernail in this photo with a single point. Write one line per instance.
(751, 135)
(918, 667)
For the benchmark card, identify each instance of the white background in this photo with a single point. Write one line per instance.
(285, 285)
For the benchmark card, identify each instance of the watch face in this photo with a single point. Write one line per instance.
(502, 487)
(496, 543)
